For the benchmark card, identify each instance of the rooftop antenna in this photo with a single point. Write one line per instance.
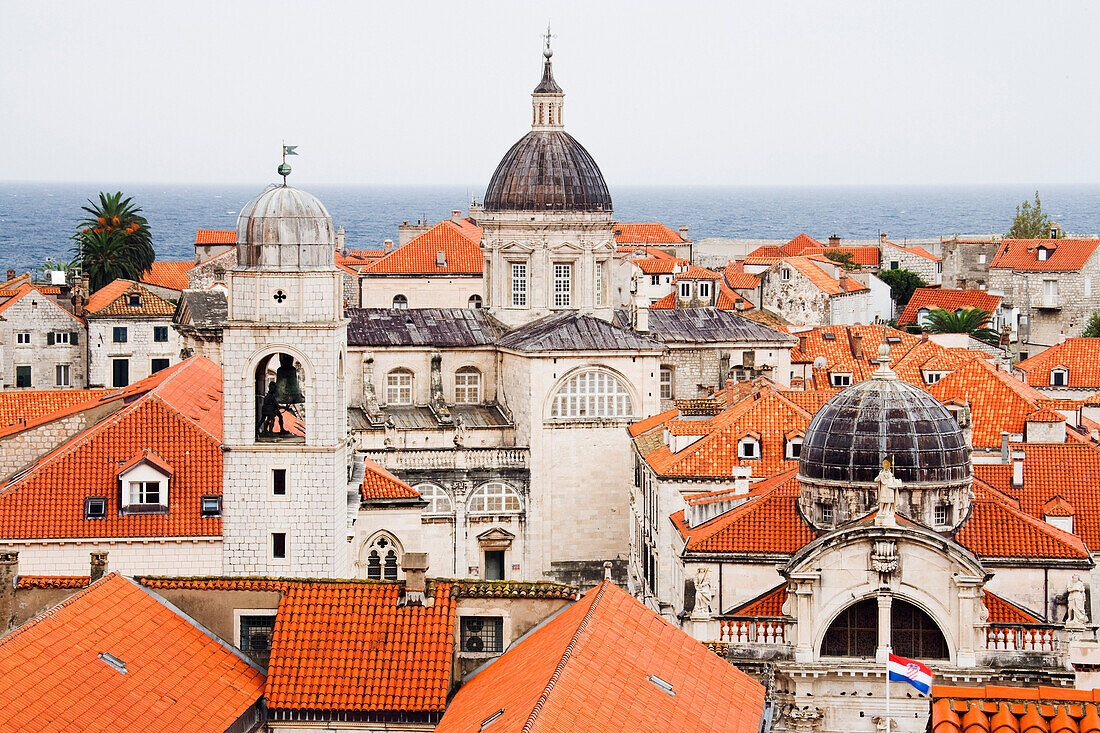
(284, 167)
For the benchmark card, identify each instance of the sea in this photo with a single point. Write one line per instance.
(37, 219)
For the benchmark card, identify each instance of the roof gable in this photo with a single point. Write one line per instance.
(111, 300)
(26, 289)
(460, 248)
(171, 275)
(378, 483)
(647, 233)
(949, 299)
(1079, 356)
(1062, 254)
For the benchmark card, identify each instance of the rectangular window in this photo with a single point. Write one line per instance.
(481, 634)
(160, 333)
(1058, 378)
(278, 545)
(981, 259)
(256, 633)
(563, 284)
(145, 492)
(278, 481)
(494, 565)
(599, 283)
(133, 300)
(57, 338)
(399, 388)
(685, 290)
(23, 338)
(666, 383)
(1050, 292)
(825, 511)
(118, 334)
(841, 380)
(211, 506)
(942, 515)
(786, 272)
(95, 507)
(23, 376)
(468, 387)
(895, 265)
(120, 372)
(794, 449)
(61, 375)
(654, 279)
(159, 364)
(519, 284)
(704, 290)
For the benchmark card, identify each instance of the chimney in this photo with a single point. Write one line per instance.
(1004, 448)
(923, 335)
(11, 274)
(9, 574)
(1017, 468)
(456, 214)
(834, 240)
(857, 345)
(683, 232)
(440, 259)
(415, 565)
(340, 241)
(78, 303)
(729, 386)
(1061, 337)
(882, 237)
(99, 566)
(803, 341)
(387, 246)
(844, 281)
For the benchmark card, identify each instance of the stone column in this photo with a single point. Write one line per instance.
(9, 573)
(98, 566)
(460, 529)
(972, 620)
(803, 630)
(883, 651)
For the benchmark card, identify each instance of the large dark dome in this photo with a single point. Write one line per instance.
(850, 436)
(547, 170)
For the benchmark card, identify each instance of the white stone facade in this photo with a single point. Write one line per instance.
(45, 340)
(421, 291)
(139, 351)
(180, 556)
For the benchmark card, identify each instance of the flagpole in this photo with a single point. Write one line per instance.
(887, 693)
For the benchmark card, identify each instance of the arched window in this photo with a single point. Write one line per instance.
(592, 394)
(383, 557)
(467, 386)
(280, 398)
(475, 301)
(400, 302)
(494, 497)
(436, 496)
(913, 633)
(399, 387)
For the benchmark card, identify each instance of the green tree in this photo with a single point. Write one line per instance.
(1031, 222)
(842, 258)
(902, 284)
(1092, 328)
(113, 241)
(973, 321)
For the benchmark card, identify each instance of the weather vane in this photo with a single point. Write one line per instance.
(547, 52)
(284, 167)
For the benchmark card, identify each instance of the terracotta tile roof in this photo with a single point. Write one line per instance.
(767, 254)
(660, 265)
(26, 288)
(20, 408)
(110, 301)
(919, 251)
(179, 420)
(996, 530)
(799, 244)
(378, 483)
(644, 426)
(1070, 471)
(216, 236)
(647, 233)
(1004, 612)
(639, 251)
(419, 255)
(727, 301)
(697, 273)
(1045, 415)
(178, 676)
(1062, 254)
(993, 709)
(768, 523)
(172, 275)
(16, 281)
(735, 276)
(768, 604)
(949, 299)
(350, 646)
(1080, 357)
(1058, 507)
(52, 581)
(590, 668)
(863, 256)
(821, 278)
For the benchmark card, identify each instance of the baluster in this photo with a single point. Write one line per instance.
(1000, 640)
(769, 632)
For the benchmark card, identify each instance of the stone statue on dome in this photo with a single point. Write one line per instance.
(888, 486)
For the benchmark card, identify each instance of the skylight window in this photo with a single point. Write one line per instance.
(662, 685)
(488, 721)
(113, 662)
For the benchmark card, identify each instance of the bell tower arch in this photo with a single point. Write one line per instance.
(285, 467)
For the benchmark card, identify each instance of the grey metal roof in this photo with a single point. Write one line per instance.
(706, 325)
(547, 85)
(574, 331)
(203, 308)
(441, 327)
(547, 170)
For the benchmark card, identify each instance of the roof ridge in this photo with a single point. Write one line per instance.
(566, 655)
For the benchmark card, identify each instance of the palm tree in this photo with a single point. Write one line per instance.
(973, 321)
(113, 241)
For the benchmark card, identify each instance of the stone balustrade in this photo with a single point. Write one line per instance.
(1020, 638)
(753, 631)
(450, 459)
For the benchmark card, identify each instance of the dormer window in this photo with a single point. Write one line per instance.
(133, 300)
(95, 507)
(685, 289)
(1063, 523)
(143, 481)
(794, 448)
(1059, 377)
(933, 377)
(704, 290)
(840, 380)
(748, 448)
(1043, 254)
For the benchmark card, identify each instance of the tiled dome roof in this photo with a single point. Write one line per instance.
(547, 170)
(880, 418)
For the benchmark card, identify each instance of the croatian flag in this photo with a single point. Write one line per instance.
(901, 669)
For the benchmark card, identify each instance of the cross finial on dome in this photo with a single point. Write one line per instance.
(547, 51)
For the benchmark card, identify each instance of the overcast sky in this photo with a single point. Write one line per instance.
(721, 92)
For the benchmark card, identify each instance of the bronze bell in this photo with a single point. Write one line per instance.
(286, 382)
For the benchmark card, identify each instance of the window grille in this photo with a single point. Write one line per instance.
(592, 394)
(563, 284)
(494, 497)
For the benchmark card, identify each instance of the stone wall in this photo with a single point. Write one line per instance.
(1078, 298)
(418, 361)
(40, 315)
(421, 291)
(211, 271)
(929, 270)
(139, 556)
(966, 262)
(23, 448)
(797, 300)
(139, 349)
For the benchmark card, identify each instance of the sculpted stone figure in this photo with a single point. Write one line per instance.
(704, 592)
(888, 486)
(1076, 615)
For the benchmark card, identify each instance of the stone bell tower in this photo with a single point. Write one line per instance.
(285, 470)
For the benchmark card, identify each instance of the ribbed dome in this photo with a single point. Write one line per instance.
(880, 418)
(285, 218)
(547, 170)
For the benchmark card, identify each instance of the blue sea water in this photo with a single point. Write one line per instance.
(36, 219)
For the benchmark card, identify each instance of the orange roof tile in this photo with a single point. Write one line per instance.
(644, 426)
(766, 254)
(821, 278)
(171, 275)
(1079, 356)
(179, 420)
(769, 603)
(20, 408)
(727, 300)
(647, 233)
(640, 251)
(917, 250)
(350, 646)
(590, 667)
(110, 301)
(15, 282)
(26, 288)
(52, 581)
(996, 530)
(216, 236)
(1004, 612)
(660, 265)
(994, 709)
(692, 272)
(1045, 415)
(799, 244)
(735, 276)
(419, 256)
(178, 675)
(1062, 254)
(863, 256)
(1058, 507)
(378, 483)
(949, 299)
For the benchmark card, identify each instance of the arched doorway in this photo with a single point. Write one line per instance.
(913, 633)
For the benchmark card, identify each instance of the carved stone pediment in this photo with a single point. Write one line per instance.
(495, 539)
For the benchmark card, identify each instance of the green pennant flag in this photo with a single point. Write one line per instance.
(289, 149)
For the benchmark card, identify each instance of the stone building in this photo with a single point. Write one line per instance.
(815, 290)
(966, 261)
(130, 334)
(1068, 370)
(199, 317)
(42, 345)
(913, 258)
